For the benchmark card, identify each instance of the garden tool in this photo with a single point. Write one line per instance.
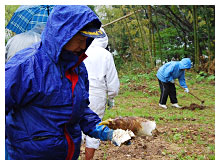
(202, 101)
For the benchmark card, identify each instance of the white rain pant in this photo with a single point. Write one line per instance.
(97, 104)
(103, 80)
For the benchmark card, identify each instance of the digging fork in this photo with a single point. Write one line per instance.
(202, 101)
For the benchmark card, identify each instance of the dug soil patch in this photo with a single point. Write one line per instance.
(194, 106)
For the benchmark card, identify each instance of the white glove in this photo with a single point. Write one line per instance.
(120, 136)
(110, 103)
(186, 90)
(172, 81)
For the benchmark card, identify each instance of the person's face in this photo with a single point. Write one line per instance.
(76, 44)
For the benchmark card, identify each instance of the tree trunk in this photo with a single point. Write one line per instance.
(209, 34)
(142, 38)
(131, 48)
(154, 48)
(159, 39)
(196, 43)
(150, 36)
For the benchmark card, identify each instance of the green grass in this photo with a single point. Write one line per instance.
(193, 131)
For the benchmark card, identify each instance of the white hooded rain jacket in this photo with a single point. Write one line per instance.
(103, 80)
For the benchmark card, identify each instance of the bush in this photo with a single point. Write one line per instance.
(211, 78)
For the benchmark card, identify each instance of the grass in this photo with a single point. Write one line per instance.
(193, 131)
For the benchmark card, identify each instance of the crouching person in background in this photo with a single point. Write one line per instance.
(166, 76)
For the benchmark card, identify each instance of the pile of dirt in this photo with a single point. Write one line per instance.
(144, 89)
(194, 106)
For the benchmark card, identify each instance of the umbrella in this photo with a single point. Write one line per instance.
(27, 16)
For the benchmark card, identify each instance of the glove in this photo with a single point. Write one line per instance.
(186, 90)
(121, 136)
(172, 81)
(117, 136)
(110, 103)
(101, 132)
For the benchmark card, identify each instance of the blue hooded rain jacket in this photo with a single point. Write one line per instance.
(46, 93)
(173, 70)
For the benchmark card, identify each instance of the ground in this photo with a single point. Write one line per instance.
(158, 146)
(187, 133)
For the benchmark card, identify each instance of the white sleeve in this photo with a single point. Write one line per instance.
(112, 80)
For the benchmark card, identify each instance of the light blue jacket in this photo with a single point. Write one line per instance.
(173, 70)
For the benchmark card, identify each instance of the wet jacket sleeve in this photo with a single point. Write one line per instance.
(112, 80)
(182, 80)
(89, 125)
(18, 87)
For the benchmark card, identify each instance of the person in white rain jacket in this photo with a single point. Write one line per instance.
(103, 84)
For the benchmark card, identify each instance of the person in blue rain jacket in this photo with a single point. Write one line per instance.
(19, 42)
(46, 90)
(166, 76)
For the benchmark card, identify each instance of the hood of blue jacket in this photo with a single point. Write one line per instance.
(185, 63)
(63, 23)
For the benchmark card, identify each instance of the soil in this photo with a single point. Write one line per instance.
(144, 89)
(194, 106)
(158, 146)
(171, 141)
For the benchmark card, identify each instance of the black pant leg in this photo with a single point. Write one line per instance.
(164, 88)
(172, 93)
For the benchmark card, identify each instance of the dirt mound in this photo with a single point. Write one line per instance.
(194, 106)
(143, 88)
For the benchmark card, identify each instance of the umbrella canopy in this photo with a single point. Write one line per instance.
(27, 16)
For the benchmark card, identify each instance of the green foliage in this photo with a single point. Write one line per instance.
(126, 79)
(172, 31)
(204, 76)
(137, 77)
(211, 78)
(9, 11)
(211, 157)
(172, 44)
(202, 73)
(211, 148)
(177, 136)
(199, 78)
(130, 36)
